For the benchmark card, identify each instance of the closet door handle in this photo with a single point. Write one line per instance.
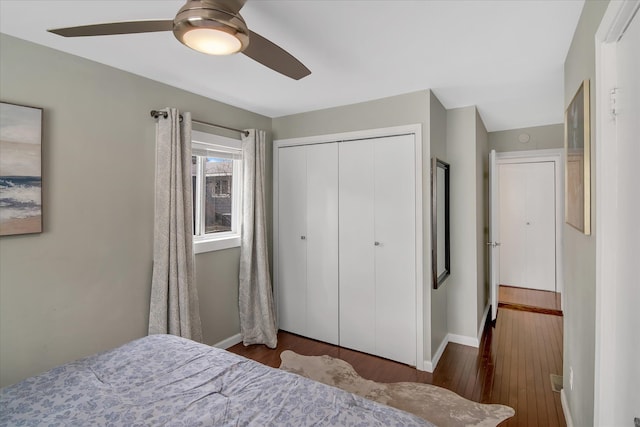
(376, 243)
(303, 237)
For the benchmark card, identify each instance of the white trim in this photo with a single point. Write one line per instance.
(430, 365)
(232, 240)
(464, 340)
(229, 342)
(565, 408)
(615, 21)
(416, 131)
(606, 242)
(224, 240)
(529, 154)
(352, 136)
(275, 228)
(555, 155)
(213, 139)
(612, 26)
(417, 135)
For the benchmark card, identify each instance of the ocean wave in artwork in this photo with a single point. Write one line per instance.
(20, 197)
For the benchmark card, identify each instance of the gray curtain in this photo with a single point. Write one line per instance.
(174, 298)
(257, 314)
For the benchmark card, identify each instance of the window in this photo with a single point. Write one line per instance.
(216, 174)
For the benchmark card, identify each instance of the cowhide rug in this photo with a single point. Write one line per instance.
(435, 404)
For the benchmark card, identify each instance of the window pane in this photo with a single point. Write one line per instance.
(218, 194)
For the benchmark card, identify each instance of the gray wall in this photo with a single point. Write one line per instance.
(462, 153)
(392, 111)
(580, 250)
(438, 141)
(482, 218)
(398, 110)
(83, 285)
(541, 138)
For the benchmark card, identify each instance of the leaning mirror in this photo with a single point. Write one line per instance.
(440, 243)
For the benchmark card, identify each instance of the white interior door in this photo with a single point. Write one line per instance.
(527, 225)
(494, 235)
(540, 227)
(395, 246)
(292, 250)
(322, 242)
(512, 205)
(356, 242)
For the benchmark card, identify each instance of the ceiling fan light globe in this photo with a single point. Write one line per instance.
(211, 41)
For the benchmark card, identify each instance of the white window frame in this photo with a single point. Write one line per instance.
(226, 239)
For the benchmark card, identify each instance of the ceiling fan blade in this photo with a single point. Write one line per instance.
(273, 56)
(111, 28)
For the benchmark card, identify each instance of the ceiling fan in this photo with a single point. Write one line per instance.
(214, 27)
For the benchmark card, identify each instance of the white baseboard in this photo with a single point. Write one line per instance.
(431, 365)
(229, 342)
(464, 340)
(565, 408)
(428, 367)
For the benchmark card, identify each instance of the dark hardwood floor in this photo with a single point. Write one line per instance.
(512, 366)
(530, 300)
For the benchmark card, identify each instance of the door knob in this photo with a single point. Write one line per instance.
(303, 237)
(377, 243)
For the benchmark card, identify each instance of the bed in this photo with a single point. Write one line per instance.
(172, 381)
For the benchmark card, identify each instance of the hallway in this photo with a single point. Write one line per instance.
(515, 298)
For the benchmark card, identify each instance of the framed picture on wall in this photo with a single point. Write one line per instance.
(20, 169)
(578, 161)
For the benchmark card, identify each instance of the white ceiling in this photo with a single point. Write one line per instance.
(504, 56)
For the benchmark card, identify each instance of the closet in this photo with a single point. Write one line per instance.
(377, 247)
(346, 244)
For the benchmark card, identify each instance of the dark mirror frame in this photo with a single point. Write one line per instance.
(439, 276)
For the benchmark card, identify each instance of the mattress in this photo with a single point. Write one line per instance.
(172, 381)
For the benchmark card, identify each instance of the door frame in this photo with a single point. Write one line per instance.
(537, 156)
(423, 242)
(609, 232)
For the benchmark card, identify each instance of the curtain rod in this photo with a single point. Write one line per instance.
(155, 114)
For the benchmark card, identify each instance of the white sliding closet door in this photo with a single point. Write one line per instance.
(322, 242)
(377, 247)
(292, 253)
(357, 250)
(395, 259)
(308, 241)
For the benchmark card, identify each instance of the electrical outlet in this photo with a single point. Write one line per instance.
(571, 378)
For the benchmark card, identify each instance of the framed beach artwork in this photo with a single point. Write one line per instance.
(578, 161)
(20, 169)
